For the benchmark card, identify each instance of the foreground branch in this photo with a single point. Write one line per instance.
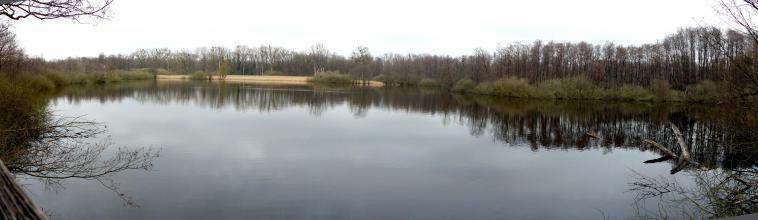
(53, 9)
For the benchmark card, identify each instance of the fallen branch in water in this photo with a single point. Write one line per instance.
(658, 160)
(592, 134)
(682, 145)
(685, 159)
(661, 147)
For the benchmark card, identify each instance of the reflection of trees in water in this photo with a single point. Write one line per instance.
(35, 144)
(713, 133)
(715, 193)
(712, 193)
(561, 125)
(720, 138)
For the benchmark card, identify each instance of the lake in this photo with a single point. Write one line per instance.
(247, 151)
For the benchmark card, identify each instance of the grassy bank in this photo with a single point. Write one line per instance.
(581, 88)
(337, 78)
(331, 77)
(576, 87)
(23, 111)
(52, 80)
(295, 80)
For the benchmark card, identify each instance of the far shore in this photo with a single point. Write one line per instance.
(289, 80)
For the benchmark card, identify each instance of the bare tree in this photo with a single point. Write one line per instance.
(362, 57)
(52, 9)
(741, 13)
(318, 55)
(10, 53)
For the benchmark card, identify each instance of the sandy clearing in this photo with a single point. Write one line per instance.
(293, 80)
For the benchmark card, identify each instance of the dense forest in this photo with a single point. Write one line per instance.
(688, 56)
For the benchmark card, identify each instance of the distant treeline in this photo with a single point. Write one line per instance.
(688, 56)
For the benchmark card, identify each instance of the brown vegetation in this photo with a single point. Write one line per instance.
(291, 80)
(688, 56)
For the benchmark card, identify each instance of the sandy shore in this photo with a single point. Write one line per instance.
(292, 80)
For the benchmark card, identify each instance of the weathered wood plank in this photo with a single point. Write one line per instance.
(14, 203)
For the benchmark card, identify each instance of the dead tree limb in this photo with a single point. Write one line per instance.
(658, 160)
(592, 134)
(682, 145)
(661, 147)
(685, 159)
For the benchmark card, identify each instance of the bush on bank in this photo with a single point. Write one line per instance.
(51, 80)
(199, 75)
(582, 88)
(428, 82)
(331, 77)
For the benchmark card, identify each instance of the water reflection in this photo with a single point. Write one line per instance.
(714, 193)
(715, 134)
(36, 144)
(245, 151)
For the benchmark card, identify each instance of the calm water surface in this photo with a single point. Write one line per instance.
(236, 151)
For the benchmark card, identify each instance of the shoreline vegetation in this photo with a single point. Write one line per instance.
(696, 64)
(318, 78)
(577, 87)
(49, 81)
(674, 69)
(582, 88)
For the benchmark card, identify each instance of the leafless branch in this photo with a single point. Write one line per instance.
(53, 9)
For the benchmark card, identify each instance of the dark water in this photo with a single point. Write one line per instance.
(235, 151)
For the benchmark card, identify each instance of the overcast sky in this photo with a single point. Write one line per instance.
(402, 26)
